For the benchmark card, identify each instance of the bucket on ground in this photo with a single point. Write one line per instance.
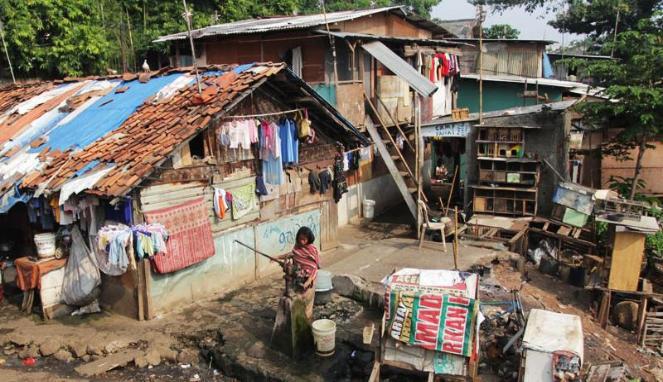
(369, 208)
(324, 337)
(45, 243)
(323, 287)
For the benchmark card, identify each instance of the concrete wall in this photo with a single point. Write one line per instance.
(382, 189)
(232, 265)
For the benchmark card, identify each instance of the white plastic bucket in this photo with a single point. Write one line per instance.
(45, 243)
(323, 281)
(324, 337)
(369, 208)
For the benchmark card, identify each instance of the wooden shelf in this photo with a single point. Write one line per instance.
(507, 183)
(514, 173)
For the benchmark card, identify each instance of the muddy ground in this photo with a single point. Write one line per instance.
(227, 337)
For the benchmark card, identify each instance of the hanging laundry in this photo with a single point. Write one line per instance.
(243, 200)
(150, 240)
(121, 212)
(270, 153)
(400, 140)
(325, 180)
(304, 130)
(261, 189)
(289, 141)
(114, 250)
(314, 182)
(219, 203)
(339, 183)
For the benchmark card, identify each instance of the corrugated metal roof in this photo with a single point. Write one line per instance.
(554, 106)
(401, 68)
(369, 37)
(573, 87)
(279, 23)
(475, 41)
(275, 23)
(461, 28)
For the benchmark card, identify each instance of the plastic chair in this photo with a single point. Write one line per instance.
(426, 224)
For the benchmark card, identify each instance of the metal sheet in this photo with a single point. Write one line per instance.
(400, 67)
(549, 332)
(277, 23)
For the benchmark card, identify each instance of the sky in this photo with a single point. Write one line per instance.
(531, 26)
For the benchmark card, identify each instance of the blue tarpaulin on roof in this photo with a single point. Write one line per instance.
(10, 198)
(243, 68)
(105, 115)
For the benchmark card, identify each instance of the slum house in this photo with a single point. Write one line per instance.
(509, 165)
(159, 180)
(515, 73)
(381, 55)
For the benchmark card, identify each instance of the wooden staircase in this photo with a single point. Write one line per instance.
(401, 171)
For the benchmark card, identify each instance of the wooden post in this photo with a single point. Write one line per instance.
(451, 191)
(418, 152)
(604, 309)
(455, 246)
(147, 277)
(642, 314)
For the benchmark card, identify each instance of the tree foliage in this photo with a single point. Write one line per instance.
(501, 31)
(56, 38)
(633, 80)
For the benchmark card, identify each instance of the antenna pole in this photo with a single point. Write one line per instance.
(4, 44)
(187, 18)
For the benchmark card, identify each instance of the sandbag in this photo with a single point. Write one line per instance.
(81, 275)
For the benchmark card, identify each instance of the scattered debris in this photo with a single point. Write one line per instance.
(107, 363)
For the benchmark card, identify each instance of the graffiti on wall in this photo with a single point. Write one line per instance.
(278, 237)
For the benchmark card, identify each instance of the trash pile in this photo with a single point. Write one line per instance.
(499, 336)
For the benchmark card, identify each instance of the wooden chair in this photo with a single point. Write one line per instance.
(426, 224)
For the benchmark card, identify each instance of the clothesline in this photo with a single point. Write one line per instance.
(265, 114)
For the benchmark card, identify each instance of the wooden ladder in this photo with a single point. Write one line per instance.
(400, 170)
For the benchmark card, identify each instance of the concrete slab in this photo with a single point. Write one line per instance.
(375, 261)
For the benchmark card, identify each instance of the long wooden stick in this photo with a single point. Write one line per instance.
(455, 246)
(451, 192)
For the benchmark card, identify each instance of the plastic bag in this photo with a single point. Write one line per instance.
(545, 248)
(81, 275)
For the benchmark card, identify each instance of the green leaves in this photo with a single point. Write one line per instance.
(501, 31)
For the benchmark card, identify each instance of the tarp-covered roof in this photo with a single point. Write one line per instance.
(116, 132)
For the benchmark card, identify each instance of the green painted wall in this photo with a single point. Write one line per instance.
(500, 95)
(327, 92)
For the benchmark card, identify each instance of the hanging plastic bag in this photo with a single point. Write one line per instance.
(304, 124)
(81, 275)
